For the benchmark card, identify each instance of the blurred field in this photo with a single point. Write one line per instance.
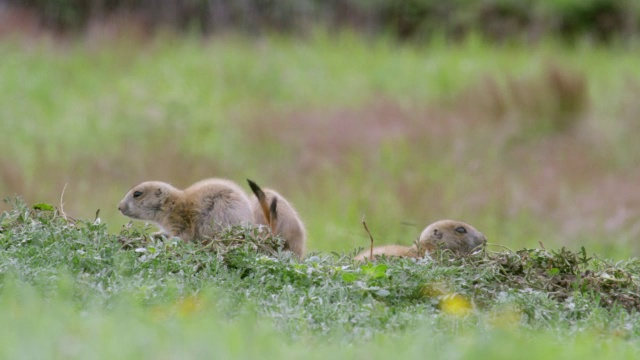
(192, 329)
(528, 144)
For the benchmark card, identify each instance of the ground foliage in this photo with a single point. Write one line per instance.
(322, 294)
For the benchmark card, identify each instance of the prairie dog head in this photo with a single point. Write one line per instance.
(147, 201)
(457, 236)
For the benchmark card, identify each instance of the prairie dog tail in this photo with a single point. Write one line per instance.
(273, 210)
(270, 211)
(273, 214)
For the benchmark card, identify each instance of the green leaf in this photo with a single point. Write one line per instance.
(375, 271)
(349, 277)
(43, 207)
(553, 271)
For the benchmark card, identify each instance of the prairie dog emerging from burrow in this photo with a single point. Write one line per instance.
(271, 209)
(201, 210)
(460, 238)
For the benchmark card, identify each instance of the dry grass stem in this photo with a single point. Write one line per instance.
(64, 216)
(370, 237)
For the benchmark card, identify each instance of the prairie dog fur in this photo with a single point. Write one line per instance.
(200, 210)
(272, 209)
(456, 236)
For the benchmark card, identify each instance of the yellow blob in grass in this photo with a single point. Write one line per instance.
(189, 306)
(454, 304)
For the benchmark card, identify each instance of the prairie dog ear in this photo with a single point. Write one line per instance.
(158, 192)
(437, 234)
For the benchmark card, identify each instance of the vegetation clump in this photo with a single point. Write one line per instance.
(563, 274)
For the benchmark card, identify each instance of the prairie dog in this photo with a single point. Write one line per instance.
(272, 209)
(458, 237)
(200, 210)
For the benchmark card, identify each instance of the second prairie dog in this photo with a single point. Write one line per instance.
(272, 209)
(456, 236)
(201, 210)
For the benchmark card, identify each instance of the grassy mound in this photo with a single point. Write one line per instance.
(322, 294)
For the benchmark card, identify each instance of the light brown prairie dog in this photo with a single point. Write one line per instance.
(271, 209)
(200, 210)
(458, 237)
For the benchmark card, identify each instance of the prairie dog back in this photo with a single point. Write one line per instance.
(221, 203)
(388, 250)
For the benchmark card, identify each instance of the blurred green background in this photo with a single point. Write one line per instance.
(519, 117)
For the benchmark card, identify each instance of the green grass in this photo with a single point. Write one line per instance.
(102, 117)
(130, 331)
(70, 289)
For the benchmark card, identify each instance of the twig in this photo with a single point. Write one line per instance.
(370, 236)
(62, 203)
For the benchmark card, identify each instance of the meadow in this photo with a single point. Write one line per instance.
(528, 144)
(534, 145)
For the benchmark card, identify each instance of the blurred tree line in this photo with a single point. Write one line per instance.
(601, 20)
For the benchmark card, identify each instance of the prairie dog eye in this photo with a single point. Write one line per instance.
(137, 194)
(461, 230)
